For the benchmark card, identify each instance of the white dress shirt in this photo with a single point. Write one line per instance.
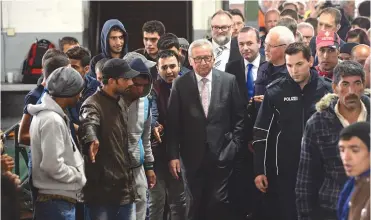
(224, 57)
(255, 67)
(208, 84)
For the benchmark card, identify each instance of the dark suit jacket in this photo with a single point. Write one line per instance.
(235, 52)
(238, 69)
(191, 134)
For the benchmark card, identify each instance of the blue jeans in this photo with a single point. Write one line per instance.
(55, 209)
(112, 212)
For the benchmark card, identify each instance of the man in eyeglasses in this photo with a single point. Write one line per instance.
(225, 48)
(205, 119)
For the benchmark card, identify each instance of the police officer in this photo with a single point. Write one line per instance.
(288, 103)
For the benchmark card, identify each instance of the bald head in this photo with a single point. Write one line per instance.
(366, 68)
(360, 53)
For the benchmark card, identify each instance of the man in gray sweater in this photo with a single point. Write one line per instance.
(58, 167)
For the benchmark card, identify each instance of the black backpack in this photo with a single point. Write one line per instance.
(32, 68)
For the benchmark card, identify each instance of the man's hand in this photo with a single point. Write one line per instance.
(156, 132)
(93, 150)
(13, 178)
(258, 98)
(174, 167)
(7, 163)
(151, 178)
(261, 182)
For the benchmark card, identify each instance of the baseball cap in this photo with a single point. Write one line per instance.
(129, 57)
(184, 44)
(118, 68)
(327, 39)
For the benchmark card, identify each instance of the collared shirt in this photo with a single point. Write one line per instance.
(362, 115)
(224, 57)
(255, 67)
(208, 84)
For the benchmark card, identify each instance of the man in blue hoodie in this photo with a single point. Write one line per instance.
(139, 132)
(113, 41)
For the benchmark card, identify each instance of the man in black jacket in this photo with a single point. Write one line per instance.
(109, 190)
(288, 103)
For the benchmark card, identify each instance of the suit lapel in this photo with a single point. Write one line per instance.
(242, 79)
(215, 90)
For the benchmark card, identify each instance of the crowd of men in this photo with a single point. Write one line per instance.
(245, 125)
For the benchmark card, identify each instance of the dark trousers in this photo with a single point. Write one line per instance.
(207, 191)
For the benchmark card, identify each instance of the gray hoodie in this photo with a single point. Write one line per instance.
(139, 131)
(58, 167)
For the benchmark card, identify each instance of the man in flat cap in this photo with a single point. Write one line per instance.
(110, 188)
(58, 167)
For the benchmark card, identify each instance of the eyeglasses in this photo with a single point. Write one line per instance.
(222, 28)
(271, 46)
(205, 58)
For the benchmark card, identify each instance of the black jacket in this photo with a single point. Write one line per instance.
(266, 75)
(286, 108)
(190, 134)
(110, 179)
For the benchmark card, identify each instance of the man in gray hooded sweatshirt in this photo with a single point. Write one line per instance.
(58, 167)
(139, 133)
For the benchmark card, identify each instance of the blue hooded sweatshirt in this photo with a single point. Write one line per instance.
(107, 27)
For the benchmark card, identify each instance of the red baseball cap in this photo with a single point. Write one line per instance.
(327, 39)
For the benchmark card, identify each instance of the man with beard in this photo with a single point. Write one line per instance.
(103, 134)
(321, 175)
(167, 188)
(113, 42)
(225, 47)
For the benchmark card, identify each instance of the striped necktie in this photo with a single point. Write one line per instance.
(218, 56)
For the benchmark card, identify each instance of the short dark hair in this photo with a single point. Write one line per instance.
(313, 22)
(99, 65)
(154, 26)
(290, 23)
(333, 12)
(362, 22)
(54, 63)
(79, 53)
(249, 28)
(348, 68)
(51, 53)
(291, 13)
(236, 11)
(361, 34)
(168, 41)
(297, 47)
(166, 54)
(67, 40)
(364, 8)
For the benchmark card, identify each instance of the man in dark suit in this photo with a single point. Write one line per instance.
(225, 48)
(242, 188)
(205, 128)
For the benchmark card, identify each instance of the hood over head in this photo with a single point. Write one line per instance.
(138, 65)
(108, 25)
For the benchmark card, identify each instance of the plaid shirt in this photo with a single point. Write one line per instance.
(321, 175)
